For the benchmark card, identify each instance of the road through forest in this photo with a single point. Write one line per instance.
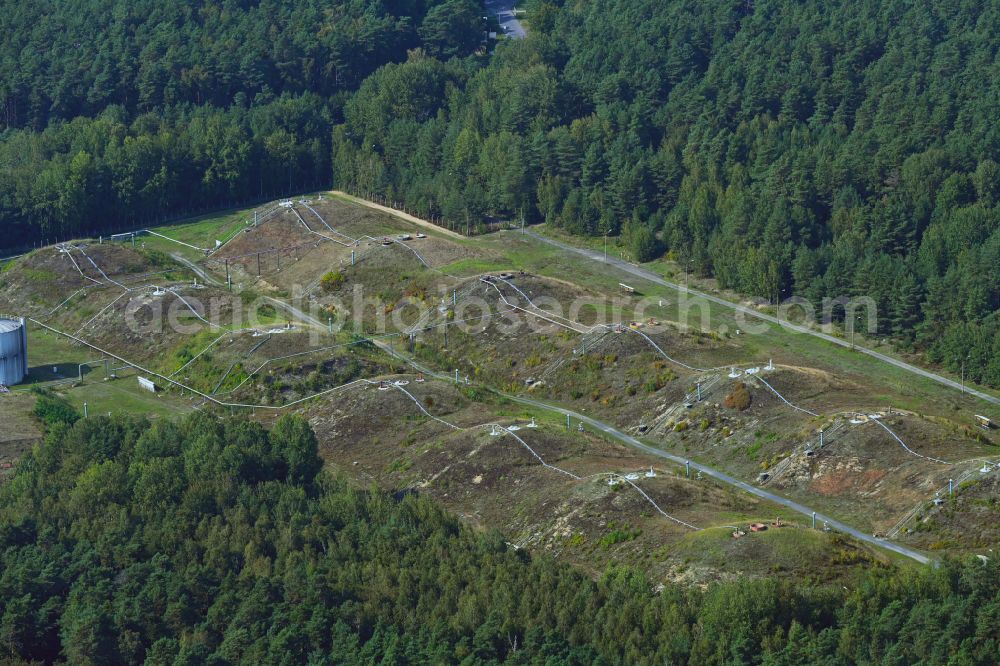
(650, 276)
(504, 11)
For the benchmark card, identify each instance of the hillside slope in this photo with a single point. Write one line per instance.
(814, 149)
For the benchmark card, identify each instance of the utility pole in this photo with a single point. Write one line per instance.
(854, 321)
(967, 357)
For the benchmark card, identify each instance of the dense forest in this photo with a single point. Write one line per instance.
(785, 147)
(115, 113)
(219, 542)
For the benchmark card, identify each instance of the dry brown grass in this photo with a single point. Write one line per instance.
(739, 398)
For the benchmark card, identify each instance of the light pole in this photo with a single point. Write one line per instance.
(854, 319)
(968, 356)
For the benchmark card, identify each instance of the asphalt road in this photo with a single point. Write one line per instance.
(205, 277)
(613, 432)
(625, 438)
(299, 314)
(639, 272)
(504, 11)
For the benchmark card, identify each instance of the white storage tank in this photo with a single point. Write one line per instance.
(13, 351)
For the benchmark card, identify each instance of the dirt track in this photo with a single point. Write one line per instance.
(399, 214)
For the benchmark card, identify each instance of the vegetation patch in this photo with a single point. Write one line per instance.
(739, 398)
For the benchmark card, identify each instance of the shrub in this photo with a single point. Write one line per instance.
(620, 535)
(739, 398)
(332, 281)
(51, 410)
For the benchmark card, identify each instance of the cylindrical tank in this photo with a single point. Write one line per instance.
(13, 351)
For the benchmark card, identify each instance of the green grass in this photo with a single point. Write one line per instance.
(901, 388)
(124, 395)
(46, 349)
(38, 275)
(812, 552)
(468, 267)
(201, 231)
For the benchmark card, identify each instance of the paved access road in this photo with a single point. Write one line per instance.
(197, 270)
(639, 272)
(504, 11)
(615, 433)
